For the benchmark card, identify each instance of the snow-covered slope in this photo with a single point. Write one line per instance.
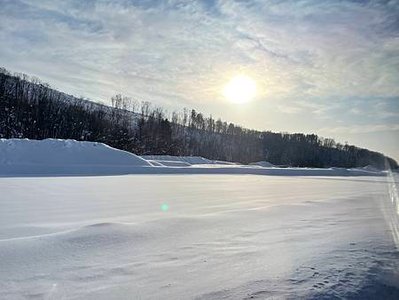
(22, 157)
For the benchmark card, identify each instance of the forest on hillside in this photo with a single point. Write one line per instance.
(31, 109)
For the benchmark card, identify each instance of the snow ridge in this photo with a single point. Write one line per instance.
(24, 157)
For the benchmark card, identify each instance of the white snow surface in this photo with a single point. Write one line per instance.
(199, 237)
(190, 160)
(23, 157)
(169, 160)
(161, 234)
(263, 164)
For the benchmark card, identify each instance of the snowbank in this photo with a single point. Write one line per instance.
(53, 156)
(23, 157)
(172, 161)
(370, 168)
(189, 160)
(262, 163)
(168, 163)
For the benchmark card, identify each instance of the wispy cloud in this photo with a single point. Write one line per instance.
(354, 129)
(294, 48)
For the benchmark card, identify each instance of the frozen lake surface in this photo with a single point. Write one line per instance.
(199, 236)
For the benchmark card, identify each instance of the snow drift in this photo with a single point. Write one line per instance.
(263, 163)
(190, 160)
(23, 157)
(172, 161)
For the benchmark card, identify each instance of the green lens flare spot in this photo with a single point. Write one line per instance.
(164, 207)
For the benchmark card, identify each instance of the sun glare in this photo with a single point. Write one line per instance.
(240, 89)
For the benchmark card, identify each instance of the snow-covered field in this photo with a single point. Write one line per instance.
(197, 236)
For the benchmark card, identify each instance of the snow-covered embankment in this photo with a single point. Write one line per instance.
(23, 157)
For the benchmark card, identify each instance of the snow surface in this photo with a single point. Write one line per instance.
(173, 161)
(190, 160)
(23, 157)
(262, 164)
(172, 236)
(199, 237)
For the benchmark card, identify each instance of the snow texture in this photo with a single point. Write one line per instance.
(173, 236)
(263, 163)
(198, 237)
(23, 157)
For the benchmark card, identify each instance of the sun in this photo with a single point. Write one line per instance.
(240, 89)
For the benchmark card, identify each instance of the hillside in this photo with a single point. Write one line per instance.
(31, 109)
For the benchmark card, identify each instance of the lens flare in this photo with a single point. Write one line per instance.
(164, 207)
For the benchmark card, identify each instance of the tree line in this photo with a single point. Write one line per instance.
(31, 109)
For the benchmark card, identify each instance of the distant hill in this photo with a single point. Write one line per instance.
(31, 109)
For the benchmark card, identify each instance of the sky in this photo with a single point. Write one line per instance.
(324, 67)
